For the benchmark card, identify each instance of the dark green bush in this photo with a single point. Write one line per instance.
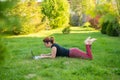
(111, 31)
(110, 24)
(116, 26)
(103, 27)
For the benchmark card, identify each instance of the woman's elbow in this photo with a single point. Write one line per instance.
(53, 57)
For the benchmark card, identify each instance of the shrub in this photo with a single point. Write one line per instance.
(116, 26)
(66, 30)
(111, 31)
(87, 24)
(110, 24)
(94, 22)
(103, 27)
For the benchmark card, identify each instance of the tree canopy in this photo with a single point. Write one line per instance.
(57, 12)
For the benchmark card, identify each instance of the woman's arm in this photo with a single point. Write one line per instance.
(46, 54)
(51, 55)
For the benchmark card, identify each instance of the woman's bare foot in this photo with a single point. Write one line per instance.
(90, 41)
(86, 41)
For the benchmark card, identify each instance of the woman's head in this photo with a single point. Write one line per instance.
(48, 41)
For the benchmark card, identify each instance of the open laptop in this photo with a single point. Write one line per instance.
(32, 54)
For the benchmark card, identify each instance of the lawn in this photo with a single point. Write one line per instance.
(20, 66)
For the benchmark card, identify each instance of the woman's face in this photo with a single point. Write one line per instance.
(47, 44)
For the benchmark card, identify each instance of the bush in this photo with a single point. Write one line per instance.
(66, 30)
(118, 29)
(116, 26)
(94, 22)
(25, 29)
(111, 31)
(103, 27)
(87, 24)
(110, 24)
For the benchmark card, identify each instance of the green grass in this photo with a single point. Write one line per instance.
(20, 66)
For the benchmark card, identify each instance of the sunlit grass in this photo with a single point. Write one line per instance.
(20, 66)
(44, 33)
(82, 30)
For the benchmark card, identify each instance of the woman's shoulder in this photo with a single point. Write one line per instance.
(55, 45)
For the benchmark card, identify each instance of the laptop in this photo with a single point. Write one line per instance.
(32, 54)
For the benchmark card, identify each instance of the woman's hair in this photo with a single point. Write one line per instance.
(48, 39)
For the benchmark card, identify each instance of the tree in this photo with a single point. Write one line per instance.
(79, 10)
(109, 15)
(29, 15)
(118, 10)
(4, 5)
(57, 12)
(118, 6)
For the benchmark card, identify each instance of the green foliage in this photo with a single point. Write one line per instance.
(116, 25)
(29, 15)
(2, 24)
(109, 17)
(111, 31)
(104, 8)
(109, 20)
(86, 25)
(4, 5)
(103, 28)
(66, 30)
(118, 6)
(79, 6)
(57, 12)
(4, 18)
(90, 8)
(110, 24)
(78, 12)
(2, 51)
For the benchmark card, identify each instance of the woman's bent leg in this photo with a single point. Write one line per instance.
(77, 53)
(88, 51)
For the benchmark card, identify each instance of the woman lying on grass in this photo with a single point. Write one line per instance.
(57, 50)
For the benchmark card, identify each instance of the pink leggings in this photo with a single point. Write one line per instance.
(77, 53)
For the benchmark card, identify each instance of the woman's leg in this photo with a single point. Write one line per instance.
(77, 53)
(88, 51)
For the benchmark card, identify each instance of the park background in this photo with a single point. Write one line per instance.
(24, 24)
